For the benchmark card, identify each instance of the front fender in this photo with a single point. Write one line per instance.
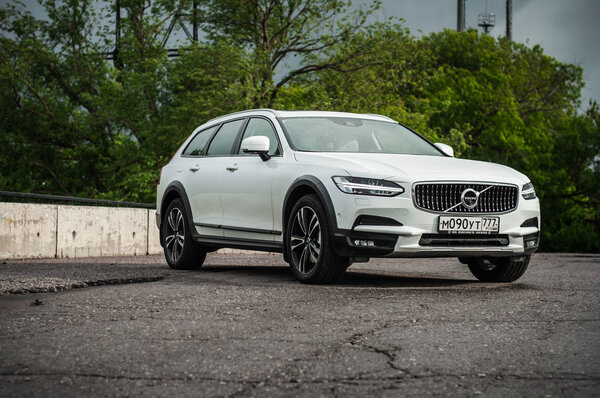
(298, 186)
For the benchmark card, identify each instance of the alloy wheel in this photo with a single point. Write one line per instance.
(305, 240)
(175, 235)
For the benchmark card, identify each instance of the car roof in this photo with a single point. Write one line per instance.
(332, 114)
(300, 113)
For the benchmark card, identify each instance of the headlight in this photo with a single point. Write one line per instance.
(527, 191)
(367, 186)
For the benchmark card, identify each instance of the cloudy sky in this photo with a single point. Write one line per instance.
(568, 30)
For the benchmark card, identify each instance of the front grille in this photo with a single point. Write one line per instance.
(463, 240)
(444, 197)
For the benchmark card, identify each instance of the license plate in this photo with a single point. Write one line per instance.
(469, 224)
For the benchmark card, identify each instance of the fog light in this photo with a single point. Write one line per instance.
(366, 243)
(530, 243)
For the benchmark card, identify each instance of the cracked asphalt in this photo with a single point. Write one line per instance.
(241, 326)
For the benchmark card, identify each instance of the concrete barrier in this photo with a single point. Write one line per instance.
(31, 230)
(154, 246)
(88, 231)
(28, 230)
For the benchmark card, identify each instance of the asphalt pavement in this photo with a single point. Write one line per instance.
(242, 326)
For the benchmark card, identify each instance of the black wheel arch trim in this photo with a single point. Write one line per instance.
(177, 187)
(318, 187)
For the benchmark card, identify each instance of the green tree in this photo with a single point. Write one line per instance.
(206, 82)
(570, 204)
(55, 127)
(287, 39)
(76, 123)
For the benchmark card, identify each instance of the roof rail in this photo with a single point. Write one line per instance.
(383, 116)
(274, 112)
(247, 110)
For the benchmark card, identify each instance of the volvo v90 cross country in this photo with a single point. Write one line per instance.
(328, 189)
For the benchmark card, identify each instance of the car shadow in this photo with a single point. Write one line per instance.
(352, 278)
(373, 279)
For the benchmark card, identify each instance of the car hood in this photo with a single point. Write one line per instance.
(411, 168)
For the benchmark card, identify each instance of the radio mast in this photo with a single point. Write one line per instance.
(487, 20)
(509, 19)
(460, 24)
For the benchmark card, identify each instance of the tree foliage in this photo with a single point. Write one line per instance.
(273, 31)
(74, 123)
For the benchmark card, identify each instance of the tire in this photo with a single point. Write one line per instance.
(181, 252)
(308, 247)
(499, 269)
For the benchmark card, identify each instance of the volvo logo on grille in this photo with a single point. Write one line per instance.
(469, 198)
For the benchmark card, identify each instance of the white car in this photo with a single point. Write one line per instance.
(328, 189)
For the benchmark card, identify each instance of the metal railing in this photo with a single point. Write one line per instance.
(72, 200)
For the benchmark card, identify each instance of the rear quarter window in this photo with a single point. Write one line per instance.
(197, 144)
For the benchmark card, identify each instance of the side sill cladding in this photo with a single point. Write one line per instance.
(314, 184)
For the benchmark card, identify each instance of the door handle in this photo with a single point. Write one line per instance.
(194, 169)
(233, 167)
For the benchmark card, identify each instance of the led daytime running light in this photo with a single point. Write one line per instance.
(367, 186)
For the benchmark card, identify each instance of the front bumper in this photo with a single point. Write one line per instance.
(417, 233)
(386, 244)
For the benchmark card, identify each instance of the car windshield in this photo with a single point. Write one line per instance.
(342, 134)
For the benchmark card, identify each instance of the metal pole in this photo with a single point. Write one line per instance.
(116, 61)
(460, 24)
(195, 21)
(509, 19)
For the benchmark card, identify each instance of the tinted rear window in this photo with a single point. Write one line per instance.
(196, 146)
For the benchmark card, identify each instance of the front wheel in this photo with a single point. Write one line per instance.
(309, 248)
(181, 252)
(498, 269)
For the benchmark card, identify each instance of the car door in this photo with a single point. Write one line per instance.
(247, 187)
(204, 175)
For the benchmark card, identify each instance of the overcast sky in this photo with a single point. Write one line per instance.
(568, 30)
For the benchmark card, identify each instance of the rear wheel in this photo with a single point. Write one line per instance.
(181, 252)
(497, 269)
(309, 248)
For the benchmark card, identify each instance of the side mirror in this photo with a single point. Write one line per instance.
(259, 145)
(447, 149)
